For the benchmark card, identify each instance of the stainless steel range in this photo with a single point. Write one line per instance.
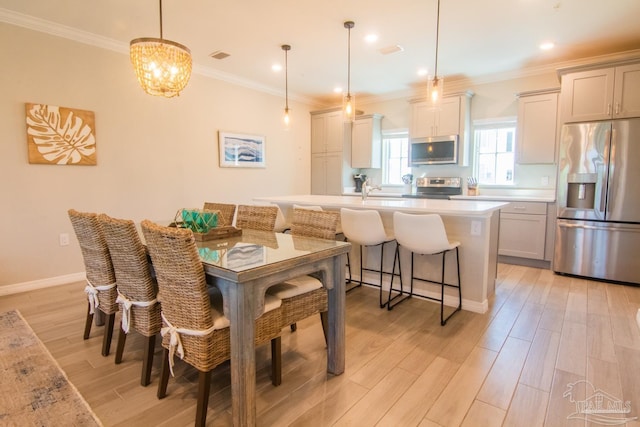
(436, 188)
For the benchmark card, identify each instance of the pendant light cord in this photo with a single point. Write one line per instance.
(349, 63)
(286, 79)
(161, 19)
(437, 39)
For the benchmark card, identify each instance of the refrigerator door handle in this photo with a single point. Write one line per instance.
(605, 174)
(596, 227)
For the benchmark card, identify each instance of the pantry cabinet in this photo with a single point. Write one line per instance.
(330, 152)
(601, 92)
(537, 127)
(366, 144)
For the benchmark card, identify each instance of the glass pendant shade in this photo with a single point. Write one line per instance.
(286, 119)
(435, 89)
(163, 67)
(349, 107)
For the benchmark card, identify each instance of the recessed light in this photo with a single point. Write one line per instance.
(423, 72)
(337, 89)
(547, 45)
(276, 68)
(371, 38)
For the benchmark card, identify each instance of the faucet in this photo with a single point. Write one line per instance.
(366, 189)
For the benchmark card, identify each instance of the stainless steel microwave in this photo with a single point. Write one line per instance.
(434, 150)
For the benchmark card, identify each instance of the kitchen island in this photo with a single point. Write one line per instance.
(475, 224)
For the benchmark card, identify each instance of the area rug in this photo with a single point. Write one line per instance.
(34, 390)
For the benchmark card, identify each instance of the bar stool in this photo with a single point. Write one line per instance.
(426, 235)
(365, 228)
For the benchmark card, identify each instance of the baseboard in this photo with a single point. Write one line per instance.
(16, 288)
(537, 263)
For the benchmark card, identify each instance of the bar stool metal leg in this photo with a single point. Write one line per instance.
(401, 293)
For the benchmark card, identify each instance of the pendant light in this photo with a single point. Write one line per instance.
(163, 67)
(349, 100)
(287, 119)
(435, 85)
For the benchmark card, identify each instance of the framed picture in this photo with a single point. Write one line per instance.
(60, 135)
(241, 150)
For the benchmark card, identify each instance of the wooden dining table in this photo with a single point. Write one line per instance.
(243, 267)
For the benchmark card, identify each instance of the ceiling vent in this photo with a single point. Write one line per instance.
(219, 54)
(390, 49)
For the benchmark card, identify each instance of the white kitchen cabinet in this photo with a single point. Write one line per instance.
(451, 118)
(537, 127)
(366, 144)
(429, 121)
(330, 152)
(608, 92)
(523, 228)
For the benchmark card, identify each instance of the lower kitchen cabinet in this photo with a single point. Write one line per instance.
(523, 227)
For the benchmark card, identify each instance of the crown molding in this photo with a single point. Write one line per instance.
(85, 37)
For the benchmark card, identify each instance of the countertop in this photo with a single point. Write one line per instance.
(514, 196)
(443, 207)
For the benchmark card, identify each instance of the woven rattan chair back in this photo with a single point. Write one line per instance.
(314, 223)
(133, 272)
(182, 288)
(227, 212)
(99, 270)
(257, 217)
(136, 284)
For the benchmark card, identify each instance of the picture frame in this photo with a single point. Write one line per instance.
(239, 150)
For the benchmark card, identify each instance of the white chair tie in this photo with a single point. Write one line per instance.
(126, 312)
(175, 344)
(92, 294)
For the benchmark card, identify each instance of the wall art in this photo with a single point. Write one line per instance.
(241, 150)
(60, 135)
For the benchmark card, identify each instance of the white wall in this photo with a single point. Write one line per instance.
(155, 155)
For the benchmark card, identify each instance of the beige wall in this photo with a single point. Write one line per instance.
(154, 155)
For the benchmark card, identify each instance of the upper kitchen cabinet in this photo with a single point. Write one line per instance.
(330, 152)
(366, 144)
(600, 92)
(452, 117)
(536, 133)
(327, 131)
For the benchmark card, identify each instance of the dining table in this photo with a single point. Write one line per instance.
(243, 267)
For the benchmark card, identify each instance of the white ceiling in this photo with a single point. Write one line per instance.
(477, 37)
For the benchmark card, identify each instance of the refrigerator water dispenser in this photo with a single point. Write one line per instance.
(581, 190)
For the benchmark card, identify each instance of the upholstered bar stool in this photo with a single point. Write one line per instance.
(365, 228)
(426, 235)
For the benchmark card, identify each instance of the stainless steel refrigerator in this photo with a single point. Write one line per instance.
(598, 198)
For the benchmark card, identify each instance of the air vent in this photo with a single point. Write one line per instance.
(390, 49)
(219, 54)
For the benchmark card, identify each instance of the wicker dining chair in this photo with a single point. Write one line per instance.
(137, 288)
(192, 314)
(101, 280)
(305, 296)
(227, 212)
(257, 217)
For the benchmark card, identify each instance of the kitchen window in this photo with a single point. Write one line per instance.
(395, 156)
(494, 148)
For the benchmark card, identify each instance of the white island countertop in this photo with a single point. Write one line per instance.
(467, 208)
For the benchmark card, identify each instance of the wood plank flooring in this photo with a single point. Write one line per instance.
(509, 367)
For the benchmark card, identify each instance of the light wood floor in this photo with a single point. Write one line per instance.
(510, 366)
